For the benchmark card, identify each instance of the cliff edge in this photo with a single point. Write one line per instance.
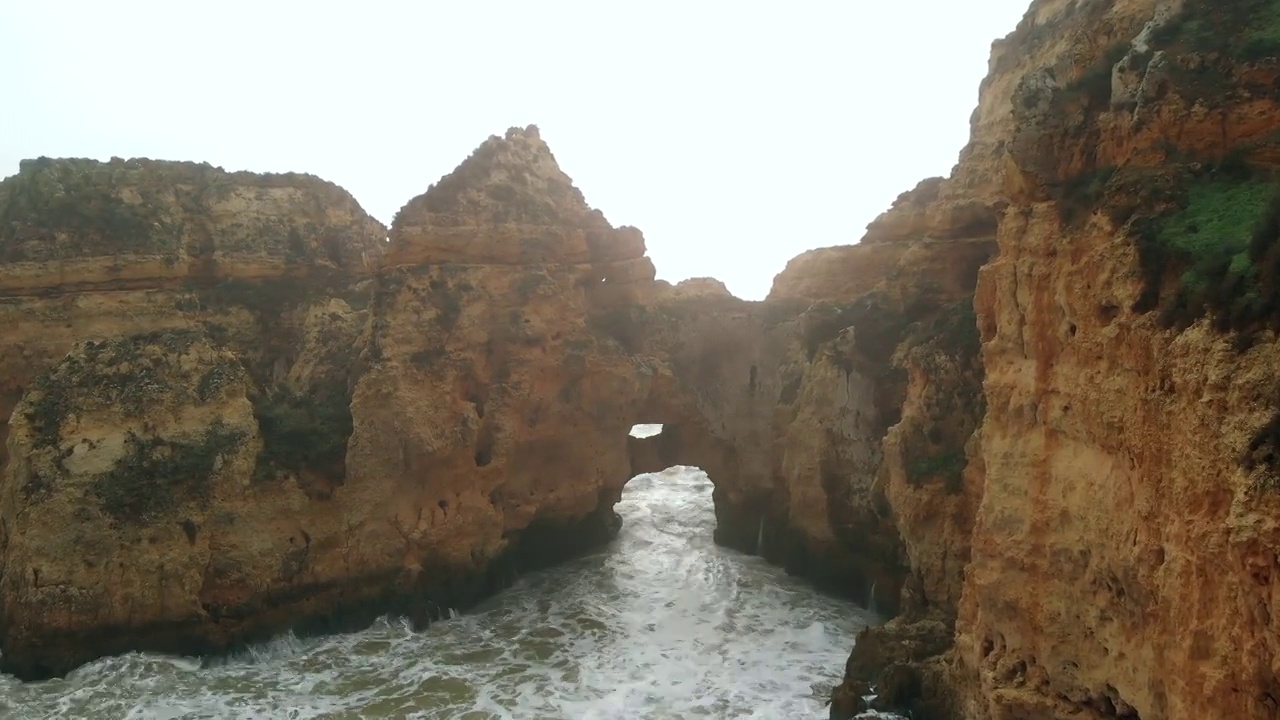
(1111, 544)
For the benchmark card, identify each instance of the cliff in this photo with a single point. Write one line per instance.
(1129, 344)
(265, 276)
(491, 408)
(1033, 413)
(1107, 546)
(427, 415)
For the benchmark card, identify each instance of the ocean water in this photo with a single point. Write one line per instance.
(661, 624)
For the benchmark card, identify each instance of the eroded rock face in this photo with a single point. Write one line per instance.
(74, 224)
(419, 426)
(271, 271)
(1128, 399)
(1118, 494)
(273, 266)
(1063, 480)
(490, 403)
(131, 481)
(715, 355)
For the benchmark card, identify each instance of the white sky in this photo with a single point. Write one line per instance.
(734, 134)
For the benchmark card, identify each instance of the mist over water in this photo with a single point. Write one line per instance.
(661, 624)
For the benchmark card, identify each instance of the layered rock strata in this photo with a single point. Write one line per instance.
(1033, 412)
(1129, 343)
(267, 275)
(1116, 504)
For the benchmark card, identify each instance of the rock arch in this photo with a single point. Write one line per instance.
(490, 360)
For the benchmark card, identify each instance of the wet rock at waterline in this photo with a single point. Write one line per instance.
(660, 624)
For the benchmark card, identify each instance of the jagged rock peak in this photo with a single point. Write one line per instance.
(510, 179)
(508, 203)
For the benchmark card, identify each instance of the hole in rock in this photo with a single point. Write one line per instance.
(654, 447)
(646, 430)
(484, 447)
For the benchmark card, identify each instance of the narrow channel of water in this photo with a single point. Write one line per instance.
(661, 624)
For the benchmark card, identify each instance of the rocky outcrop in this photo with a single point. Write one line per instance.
(270, 265)
(407, 423)
(493, 403)
(1131, 381)
(1104, 548)
(130, 485)
(270, 270)
(431, 413)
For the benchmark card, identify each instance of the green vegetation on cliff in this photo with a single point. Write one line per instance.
(303, 430)
(1221, 240)
(1216, 228)
(948, 464)
(1211, 26)
(947, 349)
(80, 201)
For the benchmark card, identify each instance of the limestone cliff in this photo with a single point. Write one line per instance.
(1115, 508)
(1034, 412)
(271, 270)
(490, 404)
(1129, 345)
(406, 423)
(270, 265)
(131, 478)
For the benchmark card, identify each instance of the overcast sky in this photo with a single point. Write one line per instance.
(734, 134)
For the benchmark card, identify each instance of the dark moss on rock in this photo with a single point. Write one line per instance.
(61, 209)
(303, 430)
(125, 374)
(156, 475)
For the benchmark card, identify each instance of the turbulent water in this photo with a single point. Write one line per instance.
(662, 624)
